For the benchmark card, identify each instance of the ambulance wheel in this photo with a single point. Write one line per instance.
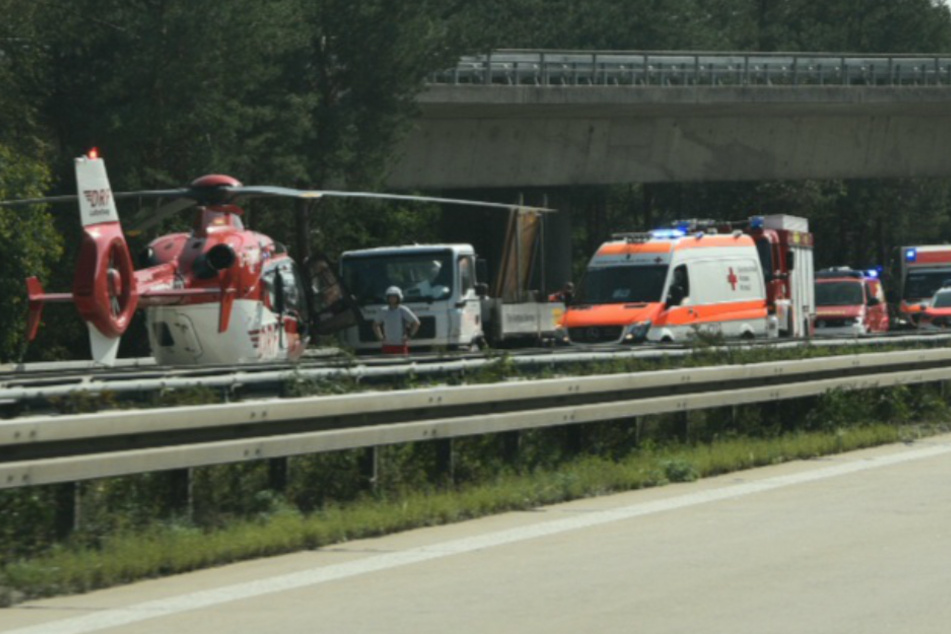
(748, 335)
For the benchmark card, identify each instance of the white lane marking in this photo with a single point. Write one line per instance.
(207, 598)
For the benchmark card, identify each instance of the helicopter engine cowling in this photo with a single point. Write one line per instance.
(104, 286)
(218, 258)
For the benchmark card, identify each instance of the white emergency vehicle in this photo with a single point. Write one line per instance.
(668, 285)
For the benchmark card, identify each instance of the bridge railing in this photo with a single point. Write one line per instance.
(572, 68)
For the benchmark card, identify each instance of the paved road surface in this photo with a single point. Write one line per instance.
(855, 543)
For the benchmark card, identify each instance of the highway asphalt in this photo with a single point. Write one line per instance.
(854, 543)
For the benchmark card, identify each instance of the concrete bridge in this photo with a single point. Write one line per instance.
(524, 119)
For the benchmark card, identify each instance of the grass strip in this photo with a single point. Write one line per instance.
(172, 548)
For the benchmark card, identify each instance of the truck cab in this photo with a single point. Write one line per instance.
(850, 302)
(438, 283)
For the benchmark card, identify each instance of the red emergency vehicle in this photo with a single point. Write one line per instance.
(937, 315)
(924, 271)
(850, 302)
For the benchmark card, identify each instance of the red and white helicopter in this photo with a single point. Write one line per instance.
(220, 294)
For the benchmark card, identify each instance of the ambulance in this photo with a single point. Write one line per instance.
(669, 286)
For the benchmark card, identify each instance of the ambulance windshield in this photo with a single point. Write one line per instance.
(924, 284)
(839, 294)
(622, 285)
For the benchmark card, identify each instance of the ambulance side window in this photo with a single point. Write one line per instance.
(679, 286)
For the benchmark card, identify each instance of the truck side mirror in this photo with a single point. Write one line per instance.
(482, 289)
(873, 301)
(790, 260)
(482, 271)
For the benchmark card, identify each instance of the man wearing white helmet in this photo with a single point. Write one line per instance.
(395, 324)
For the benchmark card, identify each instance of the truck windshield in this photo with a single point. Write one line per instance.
(425, 276)
(622, 285)
(839, 294)
(924, 284)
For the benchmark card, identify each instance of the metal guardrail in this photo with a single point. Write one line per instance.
(19, 388)
(606, 68)
(46, 450)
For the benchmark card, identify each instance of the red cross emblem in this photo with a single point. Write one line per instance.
(732, 279)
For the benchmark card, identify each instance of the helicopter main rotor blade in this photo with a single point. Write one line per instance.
(261, 191)
(24, 202)
(71, 198)
(148, 218)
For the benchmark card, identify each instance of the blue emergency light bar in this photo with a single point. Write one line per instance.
(668, 234)
(757, 222)
(911, 255)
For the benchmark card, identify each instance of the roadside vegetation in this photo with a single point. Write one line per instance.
(131, 528)
(502, 367)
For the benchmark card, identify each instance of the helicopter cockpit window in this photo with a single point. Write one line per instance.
(291, 294)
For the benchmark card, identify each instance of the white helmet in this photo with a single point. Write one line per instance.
(395, 290)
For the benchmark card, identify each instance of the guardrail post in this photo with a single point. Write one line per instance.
(511, 445)
(181, 494)
(370, 467)
(67, 500)
(575, 438)
(277, 470)
(445, 464)
(682, 426)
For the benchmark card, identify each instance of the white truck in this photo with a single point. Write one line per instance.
(442, 284)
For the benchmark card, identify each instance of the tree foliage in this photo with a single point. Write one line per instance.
(319, 92)
(28, 242)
